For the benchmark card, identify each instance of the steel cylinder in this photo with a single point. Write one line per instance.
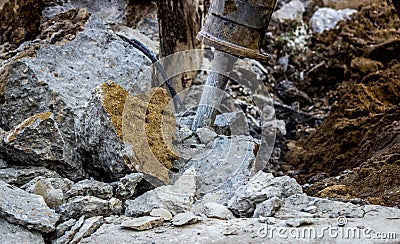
(237, 26)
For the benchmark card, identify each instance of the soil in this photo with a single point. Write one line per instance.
(355, 68)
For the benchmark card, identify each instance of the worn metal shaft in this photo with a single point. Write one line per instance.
(211, 97)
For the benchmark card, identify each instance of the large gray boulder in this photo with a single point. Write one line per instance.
(52, 90)
(20, 207)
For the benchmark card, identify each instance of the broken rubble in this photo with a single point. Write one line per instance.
(64, 227)
(234, 123)
(161, 212)
(19, 176)
(20, 207)
(142, 223)
(3, 164)
(38, 141)
(90, 188)
(59, 80)
(218, 211)
(225, 164)
(126, 186)
(292, 10)
(88, 227)
(261, 187)
(267, 208)
(53, 197)
(67, 237)
(176, 198)
(186, 218)
(10, 233)
(205, 135)
(89, 206)
(327, 18)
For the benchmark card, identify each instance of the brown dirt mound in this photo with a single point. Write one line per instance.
(362, 134)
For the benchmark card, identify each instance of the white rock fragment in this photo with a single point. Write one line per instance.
(218, 211)
(327, 18)
(186, 218)
(161, 212)
(143, 223)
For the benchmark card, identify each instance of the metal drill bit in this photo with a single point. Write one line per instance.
(211, 97)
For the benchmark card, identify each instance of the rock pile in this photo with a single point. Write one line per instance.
(91, 153)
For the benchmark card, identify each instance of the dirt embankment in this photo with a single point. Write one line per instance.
(360, 139)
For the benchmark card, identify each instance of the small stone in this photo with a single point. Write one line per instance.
(310, 209)
(52, 196)
(299, 222)
(19, 176)
(90, 188)
(3, 164)
(218, 211)
(262, 186)
(161, 212)
(143, 223)
(67, 237)
(205, 135)
(175, 198)
(234, 123)
(89, 227)
(186, 218)
(11, 233)
(268, 207)
(267, 220)
(292, 10)
(126, 186)
(20, 207)
(65, 226)
(89, 206)
(327, 18)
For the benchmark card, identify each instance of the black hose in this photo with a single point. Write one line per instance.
(148, 53)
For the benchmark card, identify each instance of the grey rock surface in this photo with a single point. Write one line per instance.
(259, 188)
(225, 164)
(64, 227)
(292, 10)
(11, 233)
(20, 207)
(90, 188)
(176, 198)
(218, 211)
(89, 206)
(126, 186)
(106, 153)
(63, 184)
(89, 226)
(186, 218)
(268, 207)
(234, 123)
(67, 237)
(3, 164)
(38, 141)
(19, 176)
(327, 18)
(161, 212)
(206, 135)
(142, 223)
(59, 79)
